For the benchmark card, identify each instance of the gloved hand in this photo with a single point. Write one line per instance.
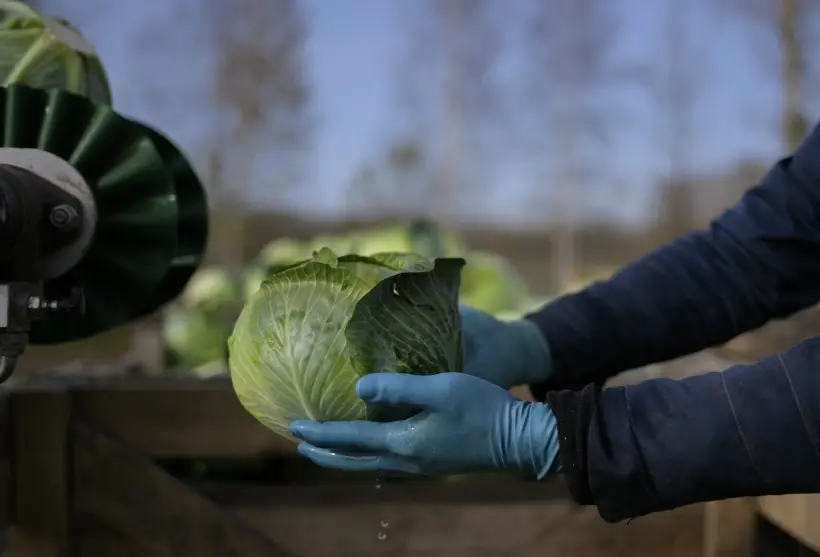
(465, 425)
(504, 353)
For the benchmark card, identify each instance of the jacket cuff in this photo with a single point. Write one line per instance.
(574, 413)
(565, 376)
(541, 391)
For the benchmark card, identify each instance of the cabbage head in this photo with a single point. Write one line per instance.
(48, 53)
(314, 328)
(194, 338)
(209, 289)
(490, 283)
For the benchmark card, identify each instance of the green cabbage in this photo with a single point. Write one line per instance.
(47, 52)
(197, 326)
(394, 238)
(210, 288)
(490, 283)
(314, 328)
(283, 251)
(398, 238)
(194, 338)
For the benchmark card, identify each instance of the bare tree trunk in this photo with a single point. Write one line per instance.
(442, 85)
(451, 118)
(569, 46)
(788, 21)
(677, 89)
(569, 120)
(226, 242)
(793, 68)
(565, 252)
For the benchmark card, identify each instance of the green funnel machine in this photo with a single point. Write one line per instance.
(102, 219)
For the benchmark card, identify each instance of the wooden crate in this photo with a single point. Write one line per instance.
(79, 478)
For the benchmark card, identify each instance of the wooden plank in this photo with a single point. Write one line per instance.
(170, 417)
(729, 528)
(419, 528)
(42, 491)
(794, 514)
(347, 495)
(180, 417)
(167, 417)
(124, 489)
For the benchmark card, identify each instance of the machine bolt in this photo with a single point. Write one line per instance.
(63, 216)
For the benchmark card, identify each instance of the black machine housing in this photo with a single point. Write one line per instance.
(37, 220)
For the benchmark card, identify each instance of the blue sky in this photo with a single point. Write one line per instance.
(351, 54)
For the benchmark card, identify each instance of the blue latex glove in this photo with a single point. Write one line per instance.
(504, 353)
(466, 424)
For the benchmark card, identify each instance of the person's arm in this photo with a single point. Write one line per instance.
(758, 261)
(752, 430)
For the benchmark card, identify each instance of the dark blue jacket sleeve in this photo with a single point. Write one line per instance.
(752, 430)
(759, 260)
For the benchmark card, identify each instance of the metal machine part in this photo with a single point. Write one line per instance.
(45, 227)
(65, 218)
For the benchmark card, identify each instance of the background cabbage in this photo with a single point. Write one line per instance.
(209, 307)
(47, 52)
(196, 328)
(194, 338)
(490, 283)
(210, 288)
(313, 329)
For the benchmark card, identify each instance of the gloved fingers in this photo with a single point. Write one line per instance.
(356, 463)
(361, 435)
(425, 392)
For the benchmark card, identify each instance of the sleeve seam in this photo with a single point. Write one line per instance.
(746, 448)
(803, 420)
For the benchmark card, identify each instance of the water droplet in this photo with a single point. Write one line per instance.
(382, 534)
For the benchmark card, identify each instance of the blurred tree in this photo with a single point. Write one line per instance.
(676, 85)
(716, 192)
(406, 161)
(449, 100)
(260, 87)
(730, 187)
(569, 54)
(397, 174)
(261, 99)
(793, 23)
